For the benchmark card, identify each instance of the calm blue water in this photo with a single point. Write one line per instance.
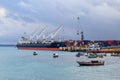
(22, 65)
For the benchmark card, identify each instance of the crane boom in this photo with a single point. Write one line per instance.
(53, 34)
(33, 35)
(40, 34)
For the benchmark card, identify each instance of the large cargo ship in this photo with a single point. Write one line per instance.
(28, 43)
(44, 44)
(41, 46)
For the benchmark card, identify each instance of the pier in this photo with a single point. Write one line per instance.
(73, 49)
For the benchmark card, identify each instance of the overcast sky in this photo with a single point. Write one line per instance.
(99, 19)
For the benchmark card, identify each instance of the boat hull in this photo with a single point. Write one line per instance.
(90, 63)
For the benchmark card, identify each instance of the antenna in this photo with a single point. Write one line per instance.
(78, 31)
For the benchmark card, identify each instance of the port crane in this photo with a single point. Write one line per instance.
(33, 35)
(78, 32)
(39, 35)
(53, 34)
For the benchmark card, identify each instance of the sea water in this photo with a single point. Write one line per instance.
(22, 65)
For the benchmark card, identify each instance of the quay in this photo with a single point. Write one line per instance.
(73, 49)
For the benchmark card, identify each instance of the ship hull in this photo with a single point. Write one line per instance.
(52, 49)
(54, 46)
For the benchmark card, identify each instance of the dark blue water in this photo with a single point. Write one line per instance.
(22, 65)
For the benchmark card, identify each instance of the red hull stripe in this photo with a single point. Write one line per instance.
(53, 49)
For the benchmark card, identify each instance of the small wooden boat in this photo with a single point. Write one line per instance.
(92, 56)
(79, 54)
(34, 53)
(55, 55)
(91, 63)
(100, 56)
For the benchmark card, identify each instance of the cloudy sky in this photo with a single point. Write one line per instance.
(99, 19)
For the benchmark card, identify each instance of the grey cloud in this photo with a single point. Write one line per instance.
(98, 18)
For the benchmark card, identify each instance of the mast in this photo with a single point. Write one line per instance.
(80, 31)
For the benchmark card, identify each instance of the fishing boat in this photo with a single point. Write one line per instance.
(91, 63)
(34, 53)
(100, 56)
(79, 54)
(92, 55)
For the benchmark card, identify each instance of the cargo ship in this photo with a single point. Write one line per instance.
(41, 46)
(28, 43)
